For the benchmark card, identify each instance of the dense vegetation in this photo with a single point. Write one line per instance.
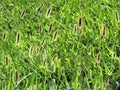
(59, 44)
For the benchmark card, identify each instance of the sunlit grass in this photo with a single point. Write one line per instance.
(59, 45)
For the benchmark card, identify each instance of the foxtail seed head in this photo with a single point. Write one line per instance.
(117, 16)
(18, 38)
(4, 35)
(6, 61)
(75, 28)
(106, 85)
(39, 50)
(22, 14)
(4, 87)
(111, 70)
(98, 58)
(44, 62)
(55, 35)
(31, 50)
(54, 57)
(16, 76)
(43, 42)
(40, 7)
(89, 51)
(103, 31)
(48, 13)
(114, 55)
(80, 24)
(40, 29)
(32, 87)
(53, 61)
(50, 28)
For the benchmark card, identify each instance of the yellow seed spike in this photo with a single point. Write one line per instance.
(89, 51)
(39, 50)
(18, 38)
(6, 61)
(54, 57)
(44, 62)
(48, 13)
(114, 55)
(103, 31)
(31, 50)
(40, 7)
(43, 42)
(4, 36)
(40, 28)
(111, 70)
(55, 35)
(50, 28)
(4, 87)
(98, 58)
(53, 62)
(117, 16)
(32, 87)
(106, 85)
(75, 28)
(80, 24)
(22, 14)
(16, 76)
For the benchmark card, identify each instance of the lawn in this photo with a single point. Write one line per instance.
(59, 44)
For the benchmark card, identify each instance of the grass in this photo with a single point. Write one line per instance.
(59, 44)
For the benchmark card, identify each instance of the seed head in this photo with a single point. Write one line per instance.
(106, 85)
(40, 48)
(50, 28)
(117, 16)
(114, 55)
(80, 24)
(98, 58)
(22, 14)
(4, 36)
(40, 7)
(103, 31)
(31, 50)
(111, 70)
(53, 61)
(75, 28)
(18, 38)
(55, 35)
(89, 51)
(16, 76)
(48, 13)
(4, 87)
(40, 28)
(54, 57)
(6, 61)
(43, 42)
(44, 62)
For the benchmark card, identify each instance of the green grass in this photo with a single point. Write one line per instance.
(59, 44)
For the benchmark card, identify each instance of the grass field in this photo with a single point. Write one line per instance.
(59, 44)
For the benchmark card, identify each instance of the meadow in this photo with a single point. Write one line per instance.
(59, 45)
